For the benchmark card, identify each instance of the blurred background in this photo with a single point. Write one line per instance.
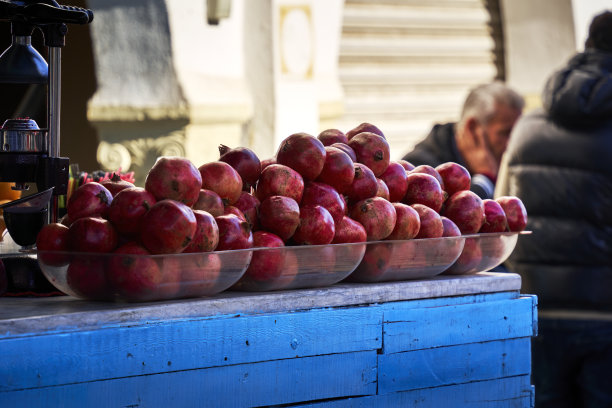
(178, 77)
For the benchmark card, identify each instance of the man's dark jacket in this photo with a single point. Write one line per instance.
(560, 165)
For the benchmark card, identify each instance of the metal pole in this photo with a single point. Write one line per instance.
(55, 98)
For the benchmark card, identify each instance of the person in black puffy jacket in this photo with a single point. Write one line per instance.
(478, 140)
(559, 162)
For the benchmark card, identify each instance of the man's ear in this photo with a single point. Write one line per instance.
(471, 125)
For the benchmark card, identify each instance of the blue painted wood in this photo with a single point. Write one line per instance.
(147, 348)
(412, 328)
(453, 365)
(511, 392)
(450, 301)
(245, 385)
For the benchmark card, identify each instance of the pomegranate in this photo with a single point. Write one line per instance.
(115, 184)
(133, 273)
(244, 161)
(408, 223)
(174, 178)
(303, 153)
(431, 223)
(128, 209)
(266, 265)
(371, 150)
(92, 234)
(346, 149)
(278, 179)
(316, 193)
(234, 233)
(406, 165)
(349, 230)
(168, 227)
(427, 169)
(249, 205)
(171, 281)
(364, 127)
(221, 178)
(89, 200)
(374, 264)
(331, 136)
(383, 190)
(468, 261)
(364, 184)
(377, 216)
(338, 170)
(395, 179)
(455, 177)
(423, 189)
(495, 217)
(200, 274)
(466, 210)
(279, 215)
(210, 202)
(86, 277)
(53, 237)
(206, 236)
(450, 229)
(265, 163)
(316, 226)
(230, 209)
(516, 213)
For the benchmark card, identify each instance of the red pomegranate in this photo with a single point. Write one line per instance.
(377, 216)
(316, 226)
(168, 227)
(374, 264)
(278, 179)
(89, 200)
(408, 222)
(338, 170)
(450, 229)
(372, 150)
(455, 177)
(249, 205)
(210, 202)
(383, 190)
(265, 163)
(133, 273)
(115, 184)
(516, 213)
(364, 127)
(171, 281)
(128, 209)
(406, 165)
(495, 217)
(86, 277)
(316, 193)
(206, 236)
(303, 153)
(346, 149)
(53, 237)
(349, 230)
(266, 265)
(221, 178)
(424, 189)
(92, 234)
(364, 184)
(427, 169)
(174, 178)
(395, 179)
(234, 233)
(244, 161)
(431, 223)
(230, 209)
(331, 136)
(200, 274)
(466, 210)
(279, 215)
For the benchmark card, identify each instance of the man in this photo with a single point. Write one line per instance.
(559, 162)
(478, 140)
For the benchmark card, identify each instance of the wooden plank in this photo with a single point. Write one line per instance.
(453, 365)
(411, 328)
(25, 317)
(511, 392)
(40, 361)
(245, 385)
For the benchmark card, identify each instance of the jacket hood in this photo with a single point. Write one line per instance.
(581, 93)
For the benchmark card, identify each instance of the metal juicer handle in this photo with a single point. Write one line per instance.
(44, 12)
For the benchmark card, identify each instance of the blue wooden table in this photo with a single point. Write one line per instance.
(443, 342)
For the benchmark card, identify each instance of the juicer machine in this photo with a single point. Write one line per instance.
(29, 154)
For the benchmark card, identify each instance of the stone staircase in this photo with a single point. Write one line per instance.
(406, 64)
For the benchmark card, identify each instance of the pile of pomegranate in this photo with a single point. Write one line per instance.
(334, 188)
